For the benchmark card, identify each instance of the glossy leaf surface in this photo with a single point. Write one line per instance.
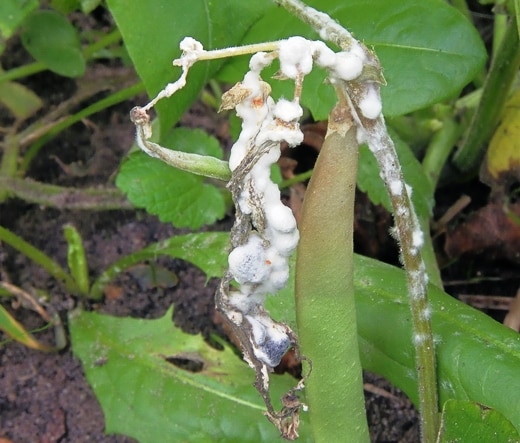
(468, 421)
(467, 340)
(130, 364)
(176, 196)
(427, 49)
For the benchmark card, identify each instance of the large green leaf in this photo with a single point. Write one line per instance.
(176, 196)
(478, 359)
(469, 421)
(428, 50)
(130, 364)
(153, 29)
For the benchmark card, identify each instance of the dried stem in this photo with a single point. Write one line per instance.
(410, 238)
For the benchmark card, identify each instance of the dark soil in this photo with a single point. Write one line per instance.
(44, 397)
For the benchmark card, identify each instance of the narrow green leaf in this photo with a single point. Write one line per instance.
(469, 421)
(51, 39)
(17, 332)
(77, 259)
(152, 31)
(175, 196)
(130, 364)
(428, 50)
(19, 99)
(39, 257)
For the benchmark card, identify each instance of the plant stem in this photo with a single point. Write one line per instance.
(325, 291)
(40, 258)
(91, 199)
(408, 230)
(54, 130)
(22, 71)
(411, 238)
(439, 149)
(496, 89)
(204, 165)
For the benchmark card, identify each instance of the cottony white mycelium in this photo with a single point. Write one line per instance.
(265, 234)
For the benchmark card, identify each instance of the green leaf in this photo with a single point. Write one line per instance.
(52, 40)
(175, 196)
(65, 6)
(77, 259)
(478, 358)
(428, 50)
(130, 364)
(19, 99)
(468, 421)
(87, 6)
(17, 332)
(152, 31)
(12, 14)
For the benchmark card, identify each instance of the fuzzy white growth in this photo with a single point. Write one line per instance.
(271, 339)
(323, 55)
(261, 263)
(370, 105)
(247, 262)
(260, 61)
(427, 313)
(396, 187)
(191, 50)
(295, 55)
(419, 339)
(417, 238)
(348, 66)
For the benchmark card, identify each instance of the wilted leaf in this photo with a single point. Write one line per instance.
(502, 164)
(175, 196)
(51, 39)
(490, 230)
(468, 421)
(17, 332)
(133, 367)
